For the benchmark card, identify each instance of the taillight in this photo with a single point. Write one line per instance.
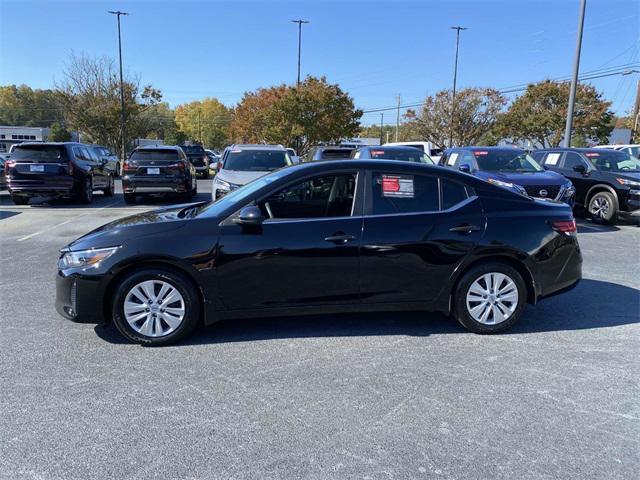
(180, 166)
(205, 159)
(564, 226)
(130, 166)
(70, 168)
(219, 167)
(8, 165)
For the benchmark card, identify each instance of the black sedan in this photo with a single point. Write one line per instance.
(350, 235)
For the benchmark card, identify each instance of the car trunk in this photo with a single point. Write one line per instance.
(143, 164)
(38, 164)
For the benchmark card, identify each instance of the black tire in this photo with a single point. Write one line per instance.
(187, 196)
(194, 192)
(461, 311)
(602, 207)
(111, 187)
(205, 175)
(85, 195)
(129, 198)
(176, 280)
(19, 199)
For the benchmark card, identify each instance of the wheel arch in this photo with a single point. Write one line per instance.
(154, 262)
(601, 187)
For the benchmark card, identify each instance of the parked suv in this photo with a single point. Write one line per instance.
(198, 158)
(240, 164)
(329, 153)
(510, 168)
(607, 181)
(162, 169)
(392, 152)
(111, 158)
(49, 169)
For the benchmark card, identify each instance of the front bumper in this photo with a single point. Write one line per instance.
(78, 298)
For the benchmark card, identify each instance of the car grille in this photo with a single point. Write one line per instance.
(537, 191)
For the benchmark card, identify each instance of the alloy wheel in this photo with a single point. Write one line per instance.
(492, 298)
(154, 308)
(600, 207)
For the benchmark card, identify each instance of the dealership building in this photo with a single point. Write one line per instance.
(12, 135)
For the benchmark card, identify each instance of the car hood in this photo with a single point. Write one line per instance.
(532, 178)
(148, 223)
(238, 177)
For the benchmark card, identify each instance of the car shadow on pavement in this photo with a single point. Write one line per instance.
(5, 214)
(592, 304)
(588, 226)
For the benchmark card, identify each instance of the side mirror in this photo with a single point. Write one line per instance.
(250, 216)
(580, 169)
(464, 168)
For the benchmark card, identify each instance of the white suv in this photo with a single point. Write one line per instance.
(240, 164)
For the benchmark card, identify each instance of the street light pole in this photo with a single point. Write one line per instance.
(455, 78)
(574, 80)
(123, 131)
(299, 22)
(381, 128)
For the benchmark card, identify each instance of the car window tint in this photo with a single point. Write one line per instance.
(394, 193)
(328, 196)
(453, 193)
(572, 159)
(467, 159)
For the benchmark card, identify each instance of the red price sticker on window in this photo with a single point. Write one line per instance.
(481, 152)
(593, 154)
(400, 186)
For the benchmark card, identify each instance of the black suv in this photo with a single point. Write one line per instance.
(607, 182)
(198, 158)
(158, 170)
(65, 169)
(329, 153)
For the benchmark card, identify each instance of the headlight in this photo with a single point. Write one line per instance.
(631, 183)
(222, 185)
(85, 258)
(511, 186)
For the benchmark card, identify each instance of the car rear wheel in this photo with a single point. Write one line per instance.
(188, 195)
(20, 199)
(111, 187)
(129, 198)
(602, 207)
(490, 298)
(86, 191)
(155, 307)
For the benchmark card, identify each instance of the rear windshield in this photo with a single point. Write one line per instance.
(155, 156)
(608, 161)
(192, 149)
(405, 154)
(506, 161)
(419, 146)
(331, 154)
(39, 154)
(256, 160)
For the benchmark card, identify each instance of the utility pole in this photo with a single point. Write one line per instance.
(398, 118)
(634, 117)
(455, 78)
(381, 128)
(574, 80)
(299, 22)
(123, 131)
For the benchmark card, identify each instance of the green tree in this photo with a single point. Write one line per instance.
(205, 121)
(24, 106)
(59, 133)
(539, 115)
(315, 111)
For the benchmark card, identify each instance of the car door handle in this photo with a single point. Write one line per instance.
(339, 238)
(465, 228)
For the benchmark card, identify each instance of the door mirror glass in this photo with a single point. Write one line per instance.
(580, 168)
(249, 216)
(465, 168)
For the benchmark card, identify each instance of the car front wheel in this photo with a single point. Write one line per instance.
(490, 298)
(111, 187)
(602, 207)
(155, 307)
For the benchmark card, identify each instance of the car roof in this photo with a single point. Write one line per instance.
(158, 147)
(572, 149)
(256, 146)
(489, 149)
(389, 147)
(57, 144)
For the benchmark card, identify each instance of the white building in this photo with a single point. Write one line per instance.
(10, 135)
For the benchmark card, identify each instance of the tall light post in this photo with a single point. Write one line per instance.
(455, 78)
(574, 80)
(123, 131)
(299, 22)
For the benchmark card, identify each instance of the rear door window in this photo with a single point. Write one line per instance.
(571, 160)
(453, 193)
(400, 193)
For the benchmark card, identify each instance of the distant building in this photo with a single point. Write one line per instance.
(620, 136)
(11, 135)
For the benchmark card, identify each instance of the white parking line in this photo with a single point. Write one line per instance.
(44, 230)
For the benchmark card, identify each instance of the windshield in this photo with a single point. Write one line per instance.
(155, 156)
(506, 161)
(611, 161)
(334, 153)
(39, 154)
(405, 154)
(256, 160)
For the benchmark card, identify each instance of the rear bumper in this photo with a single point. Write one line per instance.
(39, 187)
(567, 277)
(154, 184)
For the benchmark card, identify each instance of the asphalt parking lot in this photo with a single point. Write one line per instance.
(405, 395)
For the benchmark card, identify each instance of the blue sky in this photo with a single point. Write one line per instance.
(374, 49)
